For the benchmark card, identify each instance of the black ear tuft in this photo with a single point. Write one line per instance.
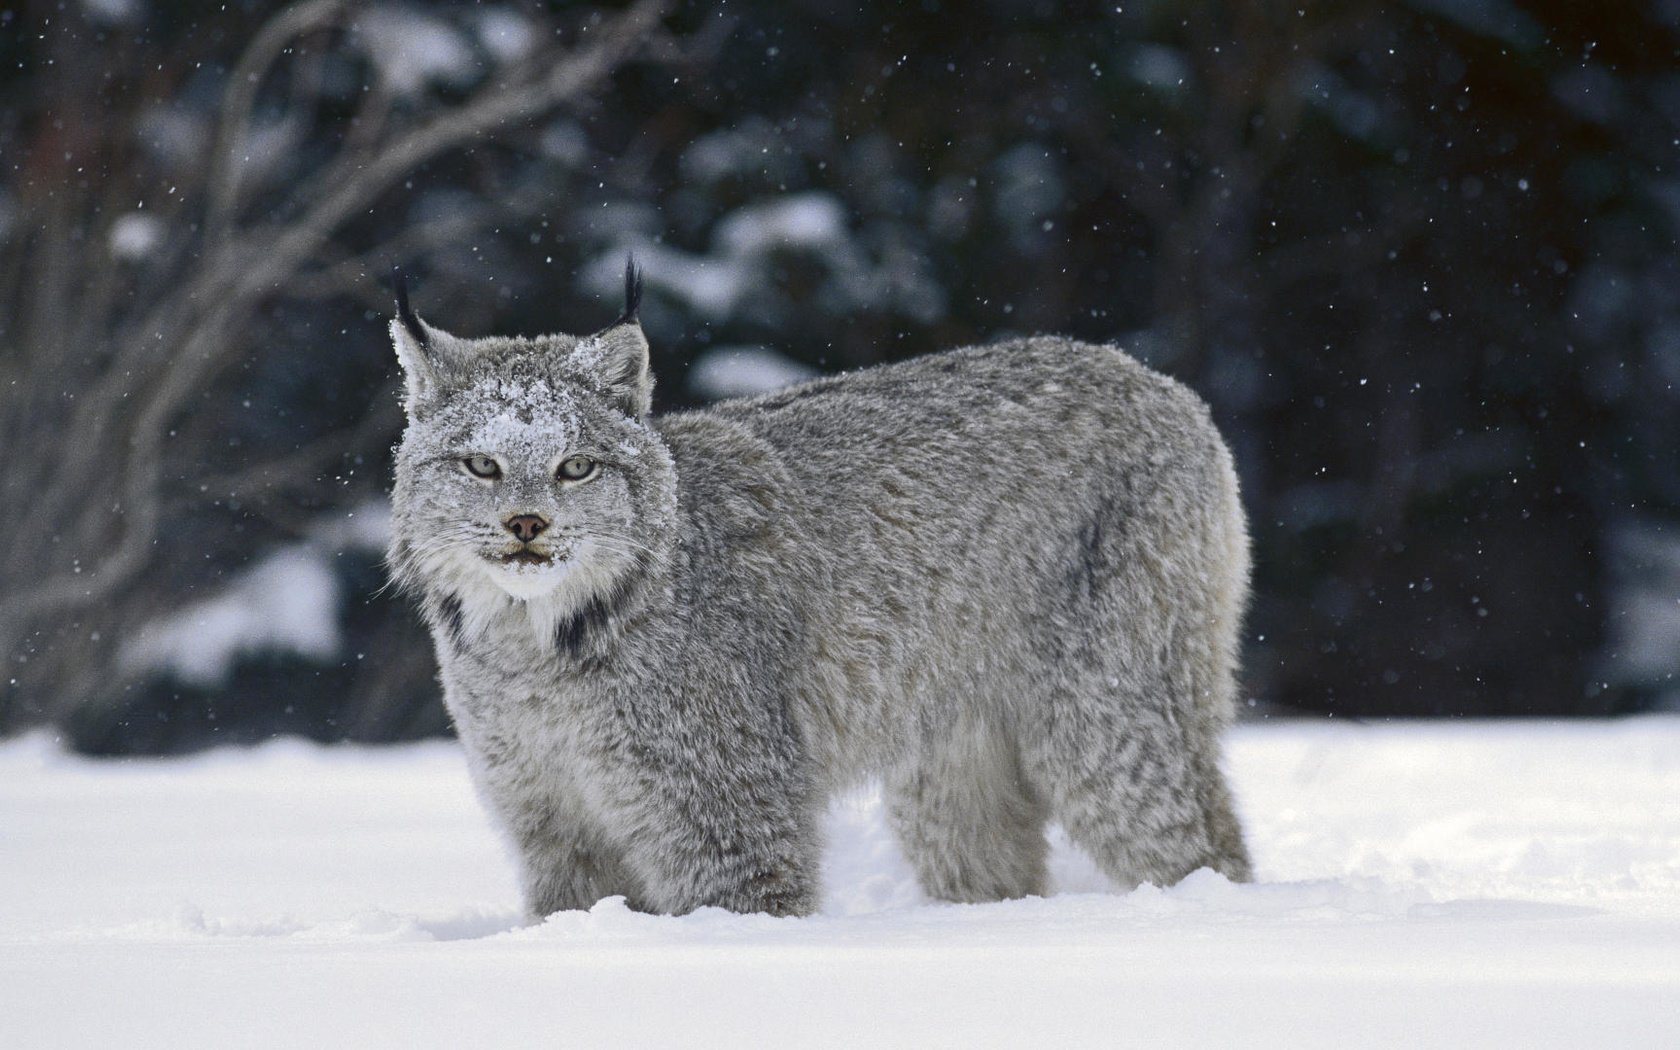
(632, 291)
(405, 313)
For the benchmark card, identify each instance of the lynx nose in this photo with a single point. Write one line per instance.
(526, 526)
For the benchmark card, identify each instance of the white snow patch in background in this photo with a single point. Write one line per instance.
(746, 262)
(710, 286)
(269, 144)
(409, 49)
(1028, 189)
(288, 602)
(801, 220)
(1439, 885)
(364, 527)
(1644, 600)
(505, 34)
(737, 265)
(742, 371)
(135, 236)
(178, 137)
(1159, 66)
(753, 148)
(112, 12)
(565, 142)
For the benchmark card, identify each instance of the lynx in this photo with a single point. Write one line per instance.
(1007, 581)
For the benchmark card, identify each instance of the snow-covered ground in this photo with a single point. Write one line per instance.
(1494, 885)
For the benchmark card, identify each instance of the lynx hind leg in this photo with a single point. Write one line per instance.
(970, 826)
(1129, 752)
(1131, 745)
(1131, 794)
(1225, 834)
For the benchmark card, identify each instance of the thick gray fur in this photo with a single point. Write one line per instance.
(1007, 580)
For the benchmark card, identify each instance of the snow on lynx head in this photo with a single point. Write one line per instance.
(527, 472)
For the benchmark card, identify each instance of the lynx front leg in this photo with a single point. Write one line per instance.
(734, 858)
(563, 864)
(733, 836)
(561, 871)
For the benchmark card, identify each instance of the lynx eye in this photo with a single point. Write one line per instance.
(576, 468)
(481, 466)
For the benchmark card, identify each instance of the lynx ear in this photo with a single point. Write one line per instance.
(417, 343)
(619, 360)
(621, 366)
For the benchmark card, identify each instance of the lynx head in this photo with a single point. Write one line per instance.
(527, 474)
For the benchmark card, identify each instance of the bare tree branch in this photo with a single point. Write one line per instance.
(103, 495)
(227, 158)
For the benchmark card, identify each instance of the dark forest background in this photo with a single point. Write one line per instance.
(1419, 256)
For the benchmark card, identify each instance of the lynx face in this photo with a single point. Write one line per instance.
(521, 483)
(526, 468)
